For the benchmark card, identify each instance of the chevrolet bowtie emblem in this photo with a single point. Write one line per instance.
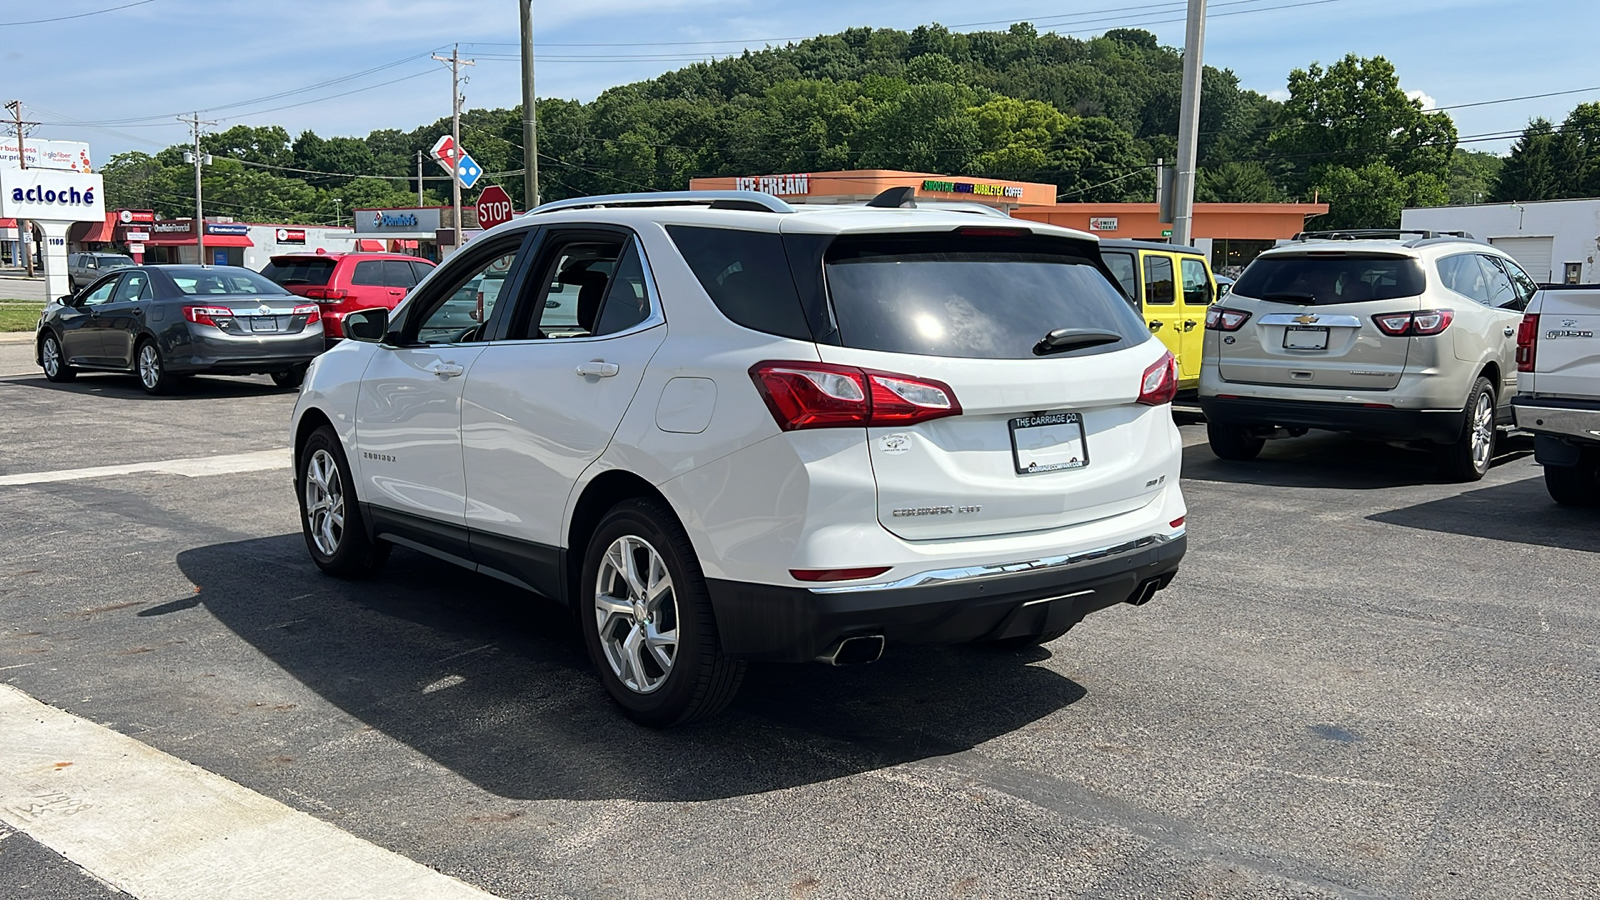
(1306, 319)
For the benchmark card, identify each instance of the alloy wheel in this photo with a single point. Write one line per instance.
(1483, 431)
(636, 609)
(149, 366)
(51, 354)
(324, 502)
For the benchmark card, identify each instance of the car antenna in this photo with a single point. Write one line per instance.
(895, 198)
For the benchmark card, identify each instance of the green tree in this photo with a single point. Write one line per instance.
(1236, 182)
(1473, 174)
(1373, 195)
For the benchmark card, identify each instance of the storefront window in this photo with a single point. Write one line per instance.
(1229, 256)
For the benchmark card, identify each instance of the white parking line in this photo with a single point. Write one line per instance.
(193, 467)
(159, 828)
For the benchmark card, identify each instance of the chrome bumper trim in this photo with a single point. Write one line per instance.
(970, 573)
(1564, 421)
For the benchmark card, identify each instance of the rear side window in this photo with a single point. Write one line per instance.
(971, 297)
(1331, 279)
(369, 273)
(1121, 266)
(419, 270)
(1159, 289)
(747, 275)
(290, 272)
(397, 273)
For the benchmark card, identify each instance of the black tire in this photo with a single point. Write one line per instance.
(1234, 442)
(353, 553)
(63, 373)
(1465, 459)
(154, 378)
(700, 681)
(1577, 485)
(290, 378)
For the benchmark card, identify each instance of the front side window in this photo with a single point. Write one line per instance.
(1502, 293)
(971, 297)
(1196, 285)
(101, 293)
(1159, 289)
(1525, 285)
(459, 315)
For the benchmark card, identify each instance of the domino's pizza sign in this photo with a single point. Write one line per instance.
(51, 195)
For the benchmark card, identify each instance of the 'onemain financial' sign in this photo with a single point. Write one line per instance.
(52, 196)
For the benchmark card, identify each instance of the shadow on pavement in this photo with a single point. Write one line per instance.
(1328, 460)
(113, 384)
(1520, 512)
(493, 683)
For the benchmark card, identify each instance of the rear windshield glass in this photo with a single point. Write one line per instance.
(290, 272)
(971, 297)
(227, 280)
(1326, 280)
(114, 262)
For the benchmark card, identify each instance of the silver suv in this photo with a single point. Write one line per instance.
(1399, 336)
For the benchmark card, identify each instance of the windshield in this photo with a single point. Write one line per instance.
(291, 270)
(222, 281)
(1326, 280)
(971, 297)
(114, 262)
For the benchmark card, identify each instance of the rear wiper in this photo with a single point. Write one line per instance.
(1063, 339)
(1291, 297)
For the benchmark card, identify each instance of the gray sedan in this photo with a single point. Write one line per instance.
(164, 322)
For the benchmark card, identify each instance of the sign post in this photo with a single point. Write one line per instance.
(494, 207)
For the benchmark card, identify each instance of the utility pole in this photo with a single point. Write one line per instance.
(419, 178)
(530, 128)
(194, 123)
(1194, 40)
(24, 230)
(456, 62)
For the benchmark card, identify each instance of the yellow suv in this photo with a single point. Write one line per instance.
(1150, 274)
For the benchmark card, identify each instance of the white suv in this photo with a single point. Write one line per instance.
(1401, 336)
(723, 429)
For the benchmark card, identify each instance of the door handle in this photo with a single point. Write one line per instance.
(1188, 324)
(446, 370)
(1155, 326)
(598, 368)
(1510, 331)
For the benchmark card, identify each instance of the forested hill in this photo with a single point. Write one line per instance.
(1090, 116)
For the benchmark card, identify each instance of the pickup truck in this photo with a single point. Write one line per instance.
(1558, 389)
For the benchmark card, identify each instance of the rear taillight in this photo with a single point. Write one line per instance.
(1160, 382)
(1528, 342)
(326, 295)
(1220, 318)
(1422, 323)
(207, 315)
(313, 314)
(820, 395)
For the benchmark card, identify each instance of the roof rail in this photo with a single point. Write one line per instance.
(753, 201)
(1352, 234)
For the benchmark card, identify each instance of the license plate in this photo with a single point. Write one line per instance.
(263, 323)
(1298, 338)
(1048, 443)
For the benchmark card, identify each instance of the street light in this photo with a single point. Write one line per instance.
(338, 211)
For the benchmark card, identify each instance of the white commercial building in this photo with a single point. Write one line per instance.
(1555, 240)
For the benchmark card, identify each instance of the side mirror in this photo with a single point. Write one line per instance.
(65, 300)
(369, 325)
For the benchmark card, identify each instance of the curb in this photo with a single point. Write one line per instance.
(16, 337)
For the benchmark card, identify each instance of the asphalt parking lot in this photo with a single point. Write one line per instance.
(1364, 683)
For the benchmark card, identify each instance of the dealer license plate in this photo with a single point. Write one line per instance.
(263, 323)
(1049, 443)
(1297, 338)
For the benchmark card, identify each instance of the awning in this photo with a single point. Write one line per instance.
(101, 232)
(187, 240)
(363, 246)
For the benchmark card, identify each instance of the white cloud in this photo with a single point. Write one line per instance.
(1280, 95)
(1427, 101)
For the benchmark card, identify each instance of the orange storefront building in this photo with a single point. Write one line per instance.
(1231, 233)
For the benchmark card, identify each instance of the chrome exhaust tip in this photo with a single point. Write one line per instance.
(1146, 589)
(854, 651)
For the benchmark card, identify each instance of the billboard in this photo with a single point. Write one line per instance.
(72, 156)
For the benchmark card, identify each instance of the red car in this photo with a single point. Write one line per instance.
(345, 282)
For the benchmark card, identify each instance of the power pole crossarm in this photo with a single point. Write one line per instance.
(1189, 124)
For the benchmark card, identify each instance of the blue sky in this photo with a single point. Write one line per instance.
(122, 76)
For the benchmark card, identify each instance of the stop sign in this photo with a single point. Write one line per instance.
(494, 207)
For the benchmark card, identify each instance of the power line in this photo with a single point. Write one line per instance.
(78, 15)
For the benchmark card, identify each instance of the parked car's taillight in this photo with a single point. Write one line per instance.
(1220, 318)
(1422, 323)
(312, 313)
(207, 315)
(820, 395)
(326, 295)
(1159, 384)
(1527, 342)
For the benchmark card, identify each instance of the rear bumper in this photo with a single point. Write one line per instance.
(1574, 420)
(1438, 425)
(245, 355)
(797, 624)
